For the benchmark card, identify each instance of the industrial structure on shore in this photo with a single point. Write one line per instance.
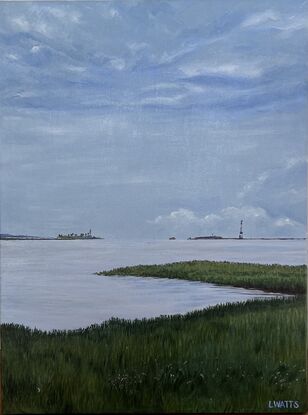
(241, 235)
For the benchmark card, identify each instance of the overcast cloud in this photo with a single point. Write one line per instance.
(146, 119)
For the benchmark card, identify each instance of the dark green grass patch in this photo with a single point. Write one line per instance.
(228, 358)
(275, 278)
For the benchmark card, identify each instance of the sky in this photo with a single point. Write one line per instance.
(145, 119)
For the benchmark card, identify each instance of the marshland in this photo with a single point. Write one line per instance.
(229, 357)
(274, 277)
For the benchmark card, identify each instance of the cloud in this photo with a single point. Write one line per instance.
(161, 86)
(64, 14)
(78, 69)
(228, 69)
(114, 13)
(163, 100)
(72, 36)
(225, 222)
(178, 217)
(35, 49)
(285, 222)
(295, 162)
(280, 189)
(22, 24)
(12, 57)
(117, 63)
(272, 20)
(206, 102)
(254, 185)
(137, 46)
(169, 57)
(44, 20)
(294, 23)
(110, 12)
(258, 19)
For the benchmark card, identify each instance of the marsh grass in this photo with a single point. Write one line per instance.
(228, 358)
(274, 278)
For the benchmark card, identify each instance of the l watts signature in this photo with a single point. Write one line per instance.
(283, 404)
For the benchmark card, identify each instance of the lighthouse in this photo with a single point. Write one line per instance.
(241, 236)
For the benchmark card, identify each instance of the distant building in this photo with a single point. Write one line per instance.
(87, 235)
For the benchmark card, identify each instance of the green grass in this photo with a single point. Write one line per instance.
(228, 358)
(275, 278)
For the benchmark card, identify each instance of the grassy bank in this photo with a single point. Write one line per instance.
(228, 358)
(275, 278)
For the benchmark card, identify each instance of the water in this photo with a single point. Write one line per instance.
(51, 284)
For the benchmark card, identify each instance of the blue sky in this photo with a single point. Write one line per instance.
(146, 119)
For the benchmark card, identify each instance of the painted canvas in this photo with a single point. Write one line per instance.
(153, 206)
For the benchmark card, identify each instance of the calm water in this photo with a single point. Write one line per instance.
(50, 284)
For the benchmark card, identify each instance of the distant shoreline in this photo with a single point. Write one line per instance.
(253, 239)
(26, 238)
(38, 238)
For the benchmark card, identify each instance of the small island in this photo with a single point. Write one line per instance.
(87, 235)
(195, 238)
